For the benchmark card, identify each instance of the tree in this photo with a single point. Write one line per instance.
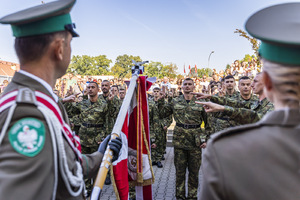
(254, 43)
(204, 71)
(89, 65)
(123, 64)
(169, 70)
(152, 69)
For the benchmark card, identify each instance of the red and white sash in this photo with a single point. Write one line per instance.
(44, 100)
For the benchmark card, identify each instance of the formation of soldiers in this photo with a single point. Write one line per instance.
(94, 117)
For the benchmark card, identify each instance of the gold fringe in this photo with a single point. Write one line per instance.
(114, 182)
(148, 152)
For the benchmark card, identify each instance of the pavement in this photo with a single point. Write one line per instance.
(164, 185)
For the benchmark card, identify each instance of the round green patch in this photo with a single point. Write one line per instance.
(27, 136)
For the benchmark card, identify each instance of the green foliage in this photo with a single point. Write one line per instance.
(89, 65)
(204, 71)
(169, 70)
(254, 42)
(123, 64)
(152, 69)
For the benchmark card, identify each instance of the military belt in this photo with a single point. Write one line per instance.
(188, 126)
(92, 125)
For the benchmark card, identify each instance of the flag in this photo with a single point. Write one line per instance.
(184, 69)
(196, 69)
(190, 68)
(134, 163)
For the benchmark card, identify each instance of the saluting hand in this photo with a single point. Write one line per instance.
(110, 97)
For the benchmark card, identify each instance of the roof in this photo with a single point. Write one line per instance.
(8, 68)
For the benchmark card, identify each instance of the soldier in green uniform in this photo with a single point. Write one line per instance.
(40, 158)
(242, 112)
(187, 137)
(111, 118)
(158, 125)
(217, 120)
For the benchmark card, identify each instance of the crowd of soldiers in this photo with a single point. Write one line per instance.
(93, 119)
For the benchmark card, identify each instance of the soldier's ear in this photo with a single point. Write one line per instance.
(267, 81)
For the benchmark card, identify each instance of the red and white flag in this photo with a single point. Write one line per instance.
(196, 69)
(184, 69)
(190, 69)
(134, 163)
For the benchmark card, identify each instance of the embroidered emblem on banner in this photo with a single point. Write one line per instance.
(27, 136)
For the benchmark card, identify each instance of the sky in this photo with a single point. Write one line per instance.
(183, 32)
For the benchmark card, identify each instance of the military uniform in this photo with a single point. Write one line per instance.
(92, 118)
(257, 161)
(113, 114)
(157, 132)
(220, 122)
(186, 140)
(18, 170)
(244, 112)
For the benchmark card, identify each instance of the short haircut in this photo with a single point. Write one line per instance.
(188, 79)
(229, 77)
(244, 78)
(32, 48)
(115, 87)
(93, 82)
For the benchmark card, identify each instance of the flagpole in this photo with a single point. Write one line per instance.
(108, 155)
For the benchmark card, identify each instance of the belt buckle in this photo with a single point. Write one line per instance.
(185, 126)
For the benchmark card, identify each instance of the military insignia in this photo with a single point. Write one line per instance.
(27, 136)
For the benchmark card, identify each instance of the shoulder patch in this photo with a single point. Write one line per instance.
(27, 136)
(234, 130)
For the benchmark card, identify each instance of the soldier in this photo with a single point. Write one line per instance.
(249, 161)
(122, 93)
(245, 90)
(40, 157)
(187, 137)
(114, 90)
(242, 112)
(158, 126)
(230, 87)
(111, 118)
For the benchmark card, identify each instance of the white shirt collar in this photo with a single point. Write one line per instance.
(44, 83)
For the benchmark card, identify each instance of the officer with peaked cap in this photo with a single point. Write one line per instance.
(40, 157)
(261, 161)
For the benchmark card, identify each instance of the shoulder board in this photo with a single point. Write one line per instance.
(234, 130)
(26, 95)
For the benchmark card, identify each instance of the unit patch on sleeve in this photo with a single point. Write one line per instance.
(27, 136)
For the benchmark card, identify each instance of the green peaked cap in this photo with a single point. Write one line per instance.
(278, 28)
(45, 18)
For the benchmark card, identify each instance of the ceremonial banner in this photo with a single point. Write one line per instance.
(135, 161)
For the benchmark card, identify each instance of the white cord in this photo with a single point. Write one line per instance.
(7, 121)
(68, 177)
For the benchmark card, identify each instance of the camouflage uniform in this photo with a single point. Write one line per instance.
(157, 132)
(113, 114)
(186, 140)
(93, 125)
(220, 122)
(244, 112)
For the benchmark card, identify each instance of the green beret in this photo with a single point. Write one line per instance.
(45, 18)
(278, 28)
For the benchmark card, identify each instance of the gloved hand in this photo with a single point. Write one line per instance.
(115, 145)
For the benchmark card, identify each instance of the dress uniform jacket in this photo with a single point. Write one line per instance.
(27, 178)
(258, 161)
